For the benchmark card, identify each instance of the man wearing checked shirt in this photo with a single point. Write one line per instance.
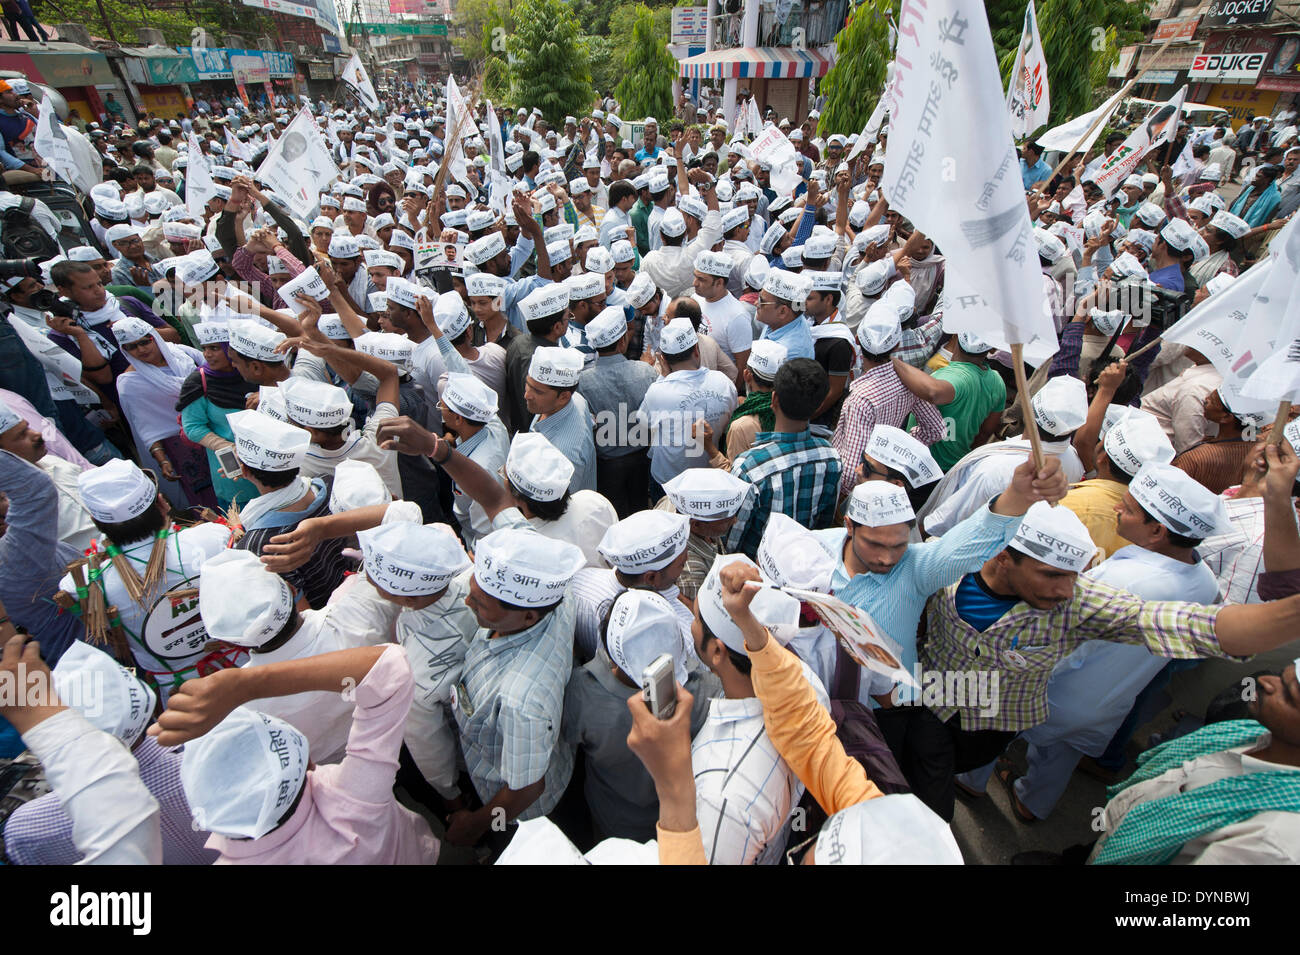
(879, 570)
(509, 700)
(1027, 609)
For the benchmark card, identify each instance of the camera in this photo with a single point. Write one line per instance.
(20, 268)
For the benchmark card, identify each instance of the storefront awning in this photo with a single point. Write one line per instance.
(56, 64)
(752, 62)
(159, 66)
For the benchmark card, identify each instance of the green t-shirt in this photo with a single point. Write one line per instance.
(980, 392)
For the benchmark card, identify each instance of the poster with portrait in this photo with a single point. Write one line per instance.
(299, 166)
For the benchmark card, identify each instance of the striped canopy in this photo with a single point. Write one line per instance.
(747, 61)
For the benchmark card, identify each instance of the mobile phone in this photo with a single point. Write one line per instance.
(659, 687)
(228, 462)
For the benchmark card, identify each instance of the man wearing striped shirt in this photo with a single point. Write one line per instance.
(878, 396)
(793, 472)
(560, 413)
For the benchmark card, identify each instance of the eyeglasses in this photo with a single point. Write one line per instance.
(136, 346)
(763, 304)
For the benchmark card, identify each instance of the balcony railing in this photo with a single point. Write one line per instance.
(819, 20)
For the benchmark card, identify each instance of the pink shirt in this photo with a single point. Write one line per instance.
(348, 814)
(55, 442)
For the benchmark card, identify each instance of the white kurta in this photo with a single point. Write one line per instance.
(989, 476)
(356, 616)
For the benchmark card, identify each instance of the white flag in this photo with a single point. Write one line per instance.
(1028, 100)
(774, 148)
(75, 162)
(1275, 307)
(354, 75)
(459, 122)
(496, 149)
(199, 187)
(299, 166)
(952, 169)
(237, 148)
(1067, 135)
(1225, 330)
(1153, 132)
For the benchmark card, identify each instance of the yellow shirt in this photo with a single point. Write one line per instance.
(803, 733)
(1094, 502)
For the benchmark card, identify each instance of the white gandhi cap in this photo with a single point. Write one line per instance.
(643, 626)
(645, 541)
(242, 776)
(521, 567)
(1054, 536)
(242, 602)
(407, 559)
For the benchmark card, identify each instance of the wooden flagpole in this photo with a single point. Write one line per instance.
(1279, 422)
(1026, 405)
(1100, 119)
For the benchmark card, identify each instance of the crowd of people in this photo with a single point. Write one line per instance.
(352, 537)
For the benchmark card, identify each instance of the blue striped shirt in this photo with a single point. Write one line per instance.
(569, 429)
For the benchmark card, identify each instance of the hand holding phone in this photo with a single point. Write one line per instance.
(659, 687)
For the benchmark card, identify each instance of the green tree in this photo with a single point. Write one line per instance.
(606, 62)
(648, 70)
(122, 18)
(477, 18)
(857, 79)
(549, 62)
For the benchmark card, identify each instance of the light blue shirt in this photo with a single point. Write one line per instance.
(569, 429)
(796, 338)
(510, 701)
(896, 600)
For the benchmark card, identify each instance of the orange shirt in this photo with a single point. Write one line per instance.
(803, 733)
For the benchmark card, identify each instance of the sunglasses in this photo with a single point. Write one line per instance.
(136, 346)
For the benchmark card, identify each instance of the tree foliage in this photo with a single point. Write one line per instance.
(1081, 39)
(478, 18)
(648, 69)
(855, 82)
(176, 25)
(549, 63)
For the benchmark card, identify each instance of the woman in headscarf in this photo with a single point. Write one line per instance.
(211, 393)
(147, 393)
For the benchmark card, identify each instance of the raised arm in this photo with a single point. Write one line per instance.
(924, 385)
(201, 704)
(404, 435)
(1281, 539)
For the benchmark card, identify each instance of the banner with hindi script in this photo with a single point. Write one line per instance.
(951, 168)
(1155, 131)
(1224, 330)
(1277, 307)
(299, 166)
(357, 80)
(1028, 99)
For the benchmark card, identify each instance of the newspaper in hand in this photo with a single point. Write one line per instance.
(862, 638)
